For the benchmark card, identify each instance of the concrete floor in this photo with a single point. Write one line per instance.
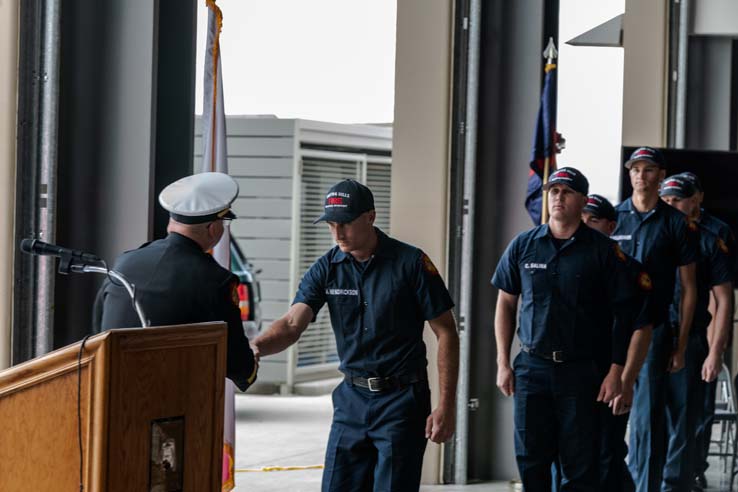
(293, 430)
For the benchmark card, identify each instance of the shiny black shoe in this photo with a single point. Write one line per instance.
(700, 481)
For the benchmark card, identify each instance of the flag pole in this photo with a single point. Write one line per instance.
(550, 54)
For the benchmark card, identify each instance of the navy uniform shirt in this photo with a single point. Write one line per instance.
(377, 309)
(635, 309)
(570, 295)
(662, 240)
(713, 268)
(178, 283)
(722, 231)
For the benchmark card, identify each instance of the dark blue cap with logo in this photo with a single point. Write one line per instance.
(599, 206)
(570, 177)
(692, 177)
(648, 154)
(678, 186)
(345, 201)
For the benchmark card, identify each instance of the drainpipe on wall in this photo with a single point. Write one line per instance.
(33, 303)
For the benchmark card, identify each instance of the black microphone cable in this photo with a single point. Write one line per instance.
(79, 411)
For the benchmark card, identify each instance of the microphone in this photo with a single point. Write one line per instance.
(40, 248)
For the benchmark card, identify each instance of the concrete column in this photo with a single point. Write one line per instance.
(9, 10)
(106, 142)
(645, 82)
(421, 148)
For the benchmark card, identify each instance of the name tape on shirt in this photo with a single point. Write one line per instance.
(535, 266)
(622, 237)
(341, 292)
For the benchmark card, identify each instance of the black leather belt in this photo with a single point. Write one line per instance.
(379, 384)
(556, 355)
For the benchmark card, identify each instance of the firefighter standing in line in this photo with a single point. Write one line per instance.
(663, 240)
(727, 244)
(567, 278)
(703, 360)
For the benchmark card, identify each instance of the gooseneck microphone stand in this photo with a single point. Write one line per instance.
(130, 288)
(71, 260)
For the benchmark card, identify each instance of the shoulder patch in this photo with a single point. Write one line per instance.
(691, 225)
(644, 282)
(235, 299)
(619, 253)
(428, 265)
(722, 246)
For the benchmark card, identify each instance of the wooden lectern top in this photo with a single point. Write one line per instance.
(151, 406)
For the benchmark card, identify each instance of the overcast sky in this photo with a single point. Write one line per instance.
(333, 60)
(590, 110)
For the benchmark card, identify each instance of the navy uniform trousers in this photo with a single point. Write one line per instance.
(704, 427)
(684, 401)
(556, 418)
(647, 420)
(377, 439)
(612, 471)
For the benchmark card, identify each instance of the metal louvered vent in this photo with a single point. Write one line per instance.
(379, 180)
(316, 349)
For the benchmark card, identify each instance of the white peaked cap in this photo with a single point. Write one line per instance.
(200, 198)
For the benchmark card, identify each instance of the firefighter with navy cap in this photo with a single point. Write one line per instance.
(716, 328)
(599, 214)
(379, 293)
(177, 281)
(571, 290)
(703, 357)
(663, 240)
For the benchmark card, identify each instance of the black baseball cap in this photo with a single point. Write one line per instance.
(694, 179)
(570, 177)
(599, 206)
(648, 154)
(678, 186)
(345, 201)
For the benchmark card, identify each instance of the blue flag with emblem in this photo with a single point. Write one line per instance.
(543, 158)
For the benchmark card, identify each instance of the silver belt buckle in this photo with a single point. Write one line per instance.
(558, 356)
(371, 382)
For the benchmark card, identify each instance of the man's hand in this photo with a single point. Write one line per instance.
(676, 362)
(611, 385)
(623, 402)
(506, 380)
(439, 426)
(712, 367)
(257, 353)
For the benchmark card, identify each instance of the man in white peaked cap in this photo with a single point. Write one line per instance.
(177, 281)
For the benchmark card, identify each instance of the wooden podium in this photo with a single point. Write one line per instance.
(151, 406)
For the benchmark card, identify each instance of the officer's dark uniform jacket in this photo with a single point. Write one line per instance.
(569, 296)
(178, 283)
(377, 309)
(713, 268)
(662, 240)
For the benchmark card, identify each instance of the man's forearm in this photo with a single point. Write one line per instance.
(504, 333)
(686, 315)
(637, 353)
(448, 368)
(722, 320)
(277, 338)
